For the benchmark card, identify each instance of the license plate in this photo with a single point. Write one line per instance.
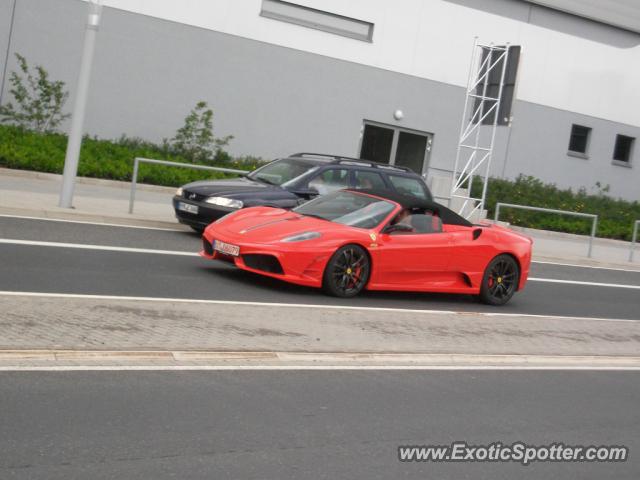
(187, 207)
(226, 248)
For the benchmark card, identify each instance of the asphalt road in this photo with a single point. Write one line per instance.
(306, 425)
(35, 268)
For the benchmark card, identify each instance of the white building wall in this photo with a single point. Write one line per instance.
(432, 39)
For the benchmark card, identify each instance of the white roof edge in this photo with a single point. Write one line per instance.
(618, 13)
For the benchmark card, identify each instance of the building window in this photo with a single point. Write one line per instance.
(622, 150)
(579, 141)
(318, 19)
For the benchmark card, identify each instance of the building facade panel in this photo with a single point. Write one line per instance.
(539, 146)
(620, 13)
(433, 40)
(148, 72)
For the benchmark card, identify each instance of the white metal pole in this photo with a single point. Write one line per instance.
(77, 121)
(593, 235)
(634, 236)
(463, 122)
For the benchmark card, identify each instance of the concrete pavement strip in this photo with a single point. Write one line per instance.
(37, 330)
(83, 359)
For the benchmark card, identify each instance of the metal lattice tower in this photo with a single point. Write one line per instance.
(478, 127)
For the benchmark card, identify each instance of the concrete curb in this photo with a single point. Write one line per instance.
(73, 215)
(324, 359)
(585, 262)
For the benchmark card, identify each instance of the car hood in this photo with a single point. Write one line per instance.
(229, 186)
(264, 225)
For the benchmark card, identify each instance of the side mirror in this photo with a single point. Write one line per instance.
(306, 192)
(476, 233)
(398, 227)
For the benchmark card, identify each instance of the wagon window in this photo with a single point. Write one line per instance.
(330, 180)
(408, 186)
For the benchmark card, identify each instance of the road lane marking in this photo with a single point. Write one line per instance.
(597, 267)
(588, 284)
(303, 305)
(82, 246)
(86, 222)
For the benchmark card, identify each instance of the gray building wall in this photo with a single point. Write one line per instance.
(6, 13)
(539, 145)
(148, 73)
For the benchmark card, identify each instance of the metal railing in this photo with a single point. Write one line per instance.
(634, 237)
(594, 217)
(137, 161)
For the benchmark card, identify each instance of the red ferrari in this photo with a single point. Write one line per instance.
(349, 240)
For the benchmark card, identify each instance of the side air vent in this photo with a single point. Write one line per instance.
(265, 263)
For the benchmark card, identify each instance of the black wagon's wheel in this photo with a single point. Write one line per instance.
(347, 271)
(500, 280)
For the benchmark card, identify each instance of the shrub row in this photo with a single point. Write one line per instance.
(615, 216)
(28, 150)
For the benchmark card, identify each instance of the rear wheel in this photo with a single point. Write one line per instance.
(347, 272)
(500, 280)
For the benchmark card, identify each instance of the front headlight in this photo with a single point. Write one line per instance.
(179, 192)
(300, 237)
(224, 202)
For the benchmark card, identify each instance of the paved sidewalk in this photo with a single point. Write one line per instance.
(96, 324)
(36, 194)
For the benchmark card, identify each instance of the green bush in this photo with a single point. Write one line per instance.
(195, 140)
(38, 100)
(615, 216)
(28, 150)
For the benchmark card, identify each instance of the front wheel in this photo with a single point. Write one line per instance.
(347, 272)
(500, 280)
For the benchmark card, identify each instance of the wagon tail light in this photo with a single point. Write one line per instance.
(301, 237)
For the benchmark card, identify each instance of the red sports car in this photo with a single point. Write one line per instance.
(351, 240)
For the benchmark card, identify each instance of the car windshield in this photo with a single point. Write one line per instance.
(348, 208)
(282, 171)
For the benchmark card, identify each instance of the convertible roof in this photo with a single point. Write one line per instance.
(447, 216)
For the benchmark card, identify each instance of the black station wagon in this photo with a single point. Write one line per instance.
(289, 182)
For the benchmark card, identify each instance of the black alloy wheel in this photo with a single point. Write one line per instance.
(500, 280)
(347, 272)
